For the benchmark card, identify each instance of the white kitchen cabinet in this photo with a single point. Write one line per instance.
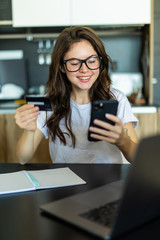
(111, 12)
(39, 13)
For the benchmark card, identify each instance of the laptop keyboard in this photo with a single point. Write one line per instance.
(104, 215)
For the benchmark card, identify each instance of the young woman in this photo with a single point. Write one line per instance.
(78, 76)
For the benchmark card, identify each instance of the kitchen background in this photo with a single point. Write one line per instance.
(127, 45)
(36, 57)
(28, 31)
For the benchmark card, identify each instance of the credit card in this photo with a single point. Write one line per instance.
(42, 102)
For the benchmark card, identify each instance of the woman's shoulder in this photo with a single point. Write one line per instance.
(118, 94)
(121, 98)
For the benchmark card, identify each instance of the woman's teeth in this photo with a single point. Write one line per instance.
(84, 78)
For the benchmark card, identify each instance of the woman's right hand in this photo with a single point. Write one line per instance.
(26, 116)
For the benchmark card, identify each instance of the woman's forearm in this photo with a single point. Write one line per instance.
(128, 147)
(25, 147)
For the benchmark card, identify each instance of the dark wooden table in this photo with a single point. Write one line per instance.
(21, 218)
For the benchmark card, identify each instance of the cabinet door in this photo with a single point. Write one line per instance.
(34, 13)
(2, 139)
(110, 12)
(147, 124)
(158, 121)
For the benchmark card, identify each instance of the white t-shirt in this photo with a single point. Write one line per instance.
(86, 151)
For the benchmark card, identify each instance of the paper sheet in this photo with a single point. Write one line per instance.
(50, 178)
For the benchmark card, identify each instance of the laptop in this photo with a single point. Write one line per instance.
(130, 203)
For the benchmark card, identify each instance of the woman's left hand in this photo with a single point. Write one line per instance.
(123, 136)
(110, 133)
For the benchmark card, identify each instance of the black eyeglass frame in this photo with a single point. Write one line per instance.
(83, 61)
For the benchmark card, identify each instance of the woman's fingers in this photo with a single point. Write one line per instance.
(26, 116)
(107, 131)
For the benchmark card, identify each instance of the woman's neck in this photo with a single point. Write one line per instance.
(80, 98)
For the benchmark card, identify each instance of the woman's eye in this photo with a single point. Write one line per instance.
(74, 64)
(91, 61)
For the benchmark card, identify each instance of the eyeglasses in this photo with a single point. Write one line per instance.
(74, 64)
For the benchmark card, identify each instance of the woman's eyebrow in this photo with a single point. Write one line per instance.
(93, 55)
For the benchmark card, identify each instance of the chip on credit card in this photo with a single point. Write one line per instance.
(42, 102)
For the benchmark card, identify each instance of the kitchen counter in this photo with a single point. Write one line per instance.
(135, 109)
(144, 109)
(148, 117)
(9, 106)
(7, 111)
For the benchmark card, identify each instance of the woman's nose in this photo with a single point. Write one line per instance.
(83, 68)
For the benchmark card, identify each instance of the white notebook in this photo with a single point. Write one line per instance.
(22, 181)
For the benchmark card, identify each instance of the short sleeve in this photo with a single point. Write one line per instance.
(41, 123)
(124, 108)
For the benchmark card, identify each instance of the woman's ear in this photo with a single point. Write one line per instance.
(62, 69)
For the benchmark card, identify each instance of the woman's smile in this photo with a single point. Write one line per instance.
(84, 79)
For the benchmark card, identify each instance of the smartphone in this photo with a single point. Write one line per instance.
(98, 111)
(42, 102)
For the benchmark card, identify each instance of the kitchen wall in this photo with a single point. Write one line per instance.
(125, 51)
(36, 74)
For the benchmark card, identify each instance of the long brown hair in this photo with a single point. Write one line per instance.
(58, 86)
